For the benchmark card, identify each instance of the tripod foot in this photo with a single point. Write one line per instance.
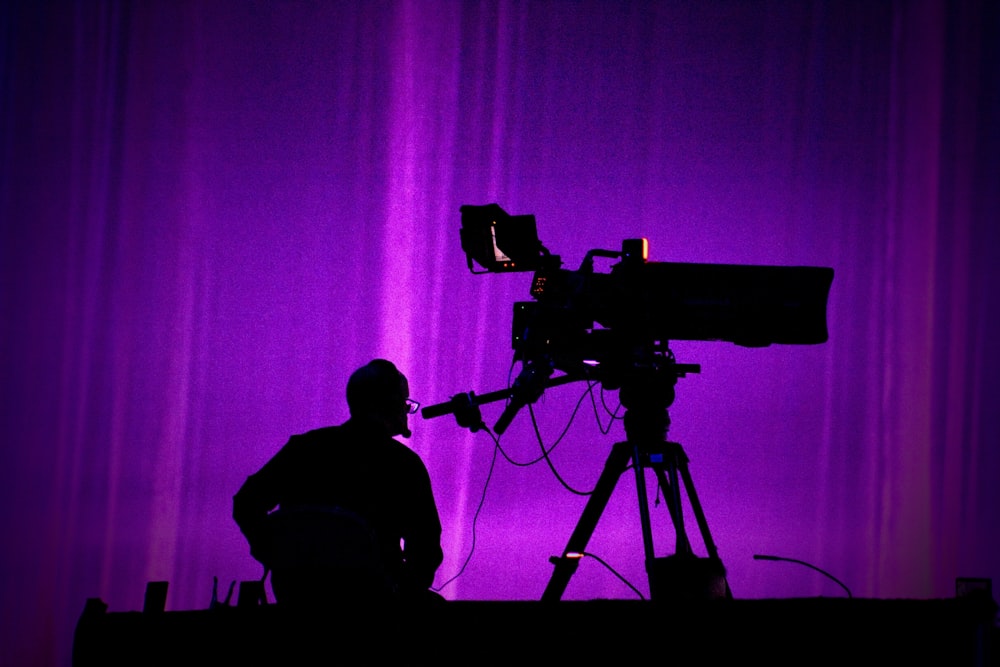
(688, 578)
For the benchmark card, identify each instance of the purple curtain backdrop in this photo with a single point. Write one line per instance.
(212, 212)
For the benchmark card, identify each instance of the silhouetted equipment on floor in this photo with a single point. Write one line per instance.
(800, 631)
(156, 597)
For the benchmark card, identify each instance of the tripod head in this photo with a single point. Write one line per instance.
(647, 394)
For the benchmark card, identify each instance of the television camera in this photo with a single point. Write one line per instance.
(615, 328)
(640, 306)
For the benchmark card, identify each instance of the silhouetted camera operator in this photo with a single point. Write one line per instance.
(356, 517)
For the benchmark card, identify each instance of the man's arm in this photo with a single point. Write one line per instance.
(250, 510)
(422, 540)
(260, 493)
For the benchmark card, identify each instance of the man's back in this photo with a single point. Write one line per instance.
(353, 472)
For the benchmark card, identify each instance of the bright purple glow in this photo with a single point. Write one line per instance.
(213, 212)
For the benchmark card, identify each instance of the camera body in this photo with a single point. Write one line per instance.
(584, 317)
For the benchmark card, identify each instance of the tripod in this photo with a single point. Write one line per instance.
(646, 397)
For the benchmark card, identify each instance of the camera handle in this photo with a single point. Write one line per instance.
(465, 406)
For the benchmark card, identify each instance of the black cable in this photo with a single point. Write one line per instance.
(614, 572)
(810, 566)
(545, 453)
(489, 476)
(569, 423)
(614, 415)
(544, 456)
(475, 517)
(520, 464)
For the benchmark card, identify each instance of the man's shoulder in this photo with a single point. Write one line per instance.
(311, 441)
(322, 433)
(349, 440)
(404, 451)
(347, 435)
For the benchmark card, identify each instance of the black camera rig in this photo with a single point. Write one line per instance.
(606, 326)
(615, 328)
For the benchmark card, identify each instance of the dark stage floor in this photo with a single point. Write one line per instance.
(787, 631)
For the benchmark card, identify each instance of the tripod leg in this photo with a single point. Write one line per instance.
(565, 567)
(672, 496)
(640, 487)
(699, 514)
